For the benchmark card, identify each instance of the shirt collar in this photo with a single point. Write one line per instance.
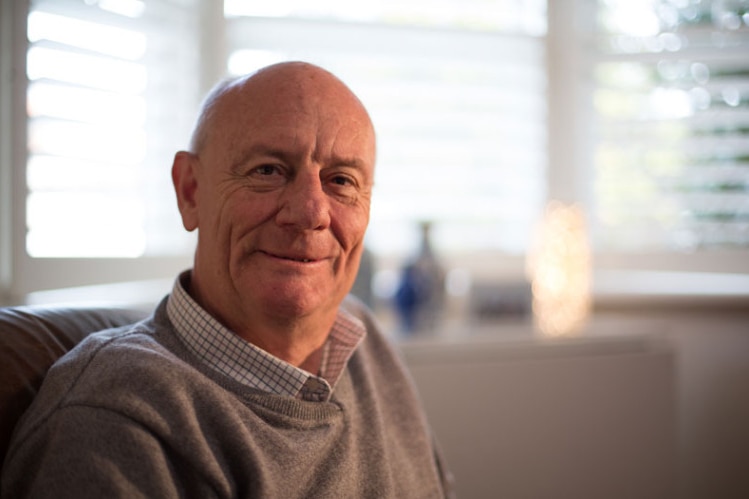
(227, 353)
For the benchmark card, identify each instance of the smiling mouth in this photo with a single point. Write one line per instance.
(291, 258)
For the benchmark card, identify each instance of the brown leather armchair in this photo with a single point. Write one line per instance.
(31, 340)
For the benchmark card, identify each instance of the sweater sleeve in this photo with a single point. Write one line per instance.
(84, 451)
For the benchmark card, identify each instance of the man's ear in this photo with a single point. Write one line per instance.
(185, 180)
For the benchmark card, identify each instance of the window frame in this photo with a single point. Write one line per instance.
(13, 15)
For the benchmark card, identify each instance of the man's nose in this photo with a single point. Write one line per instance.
(305, 204)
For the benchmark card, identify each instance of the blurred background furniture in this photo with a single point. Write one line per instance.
(569, 418)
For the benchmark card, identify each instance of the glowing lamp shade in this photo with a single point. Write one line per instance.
(560, 270)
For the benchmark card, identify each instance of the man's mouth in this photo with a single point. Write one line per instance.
(301, 259)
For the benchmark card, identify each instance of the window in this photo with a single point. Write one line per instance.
(671, 132)
(104, 119)
(108, 104)
(457, 95)
(485, 110)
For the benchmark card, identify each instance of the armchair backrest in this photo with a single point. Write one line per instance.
(31, 340)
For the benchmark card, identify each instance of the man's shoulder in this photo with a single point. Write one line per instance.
(125, 357)
(119, 370)
(108, 365)
(122, 348)
(109, 349)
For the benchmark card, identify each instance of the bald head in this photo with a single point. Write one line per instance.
(298, 83)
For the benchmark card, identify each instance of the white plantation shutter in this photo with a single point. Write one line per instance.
(457, 94)
(671, 135)
(110, 99)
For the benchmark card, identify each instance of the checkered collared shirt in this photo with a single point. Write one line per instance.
(227, 353)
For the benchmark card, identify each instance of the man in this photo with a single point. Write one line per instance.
(256, 377)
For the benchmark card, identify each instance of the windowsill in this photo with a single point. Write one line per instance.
(136, 294)
(613, 288)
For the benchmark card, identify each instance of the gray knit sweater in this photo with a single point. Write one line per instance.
(130, 413)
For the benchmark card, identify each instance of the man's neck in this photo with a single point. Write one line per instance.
(300, 346)
(297, 340)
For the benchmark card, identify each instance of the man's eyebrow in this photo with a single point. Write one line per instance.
(349, 161)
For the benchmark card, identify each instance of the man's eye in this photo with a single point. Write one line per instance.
(342, 180)
(265, 170)
(345, 183)
(265, 176)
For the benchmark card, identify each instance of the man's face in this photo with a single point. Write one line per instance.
(283, 193)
